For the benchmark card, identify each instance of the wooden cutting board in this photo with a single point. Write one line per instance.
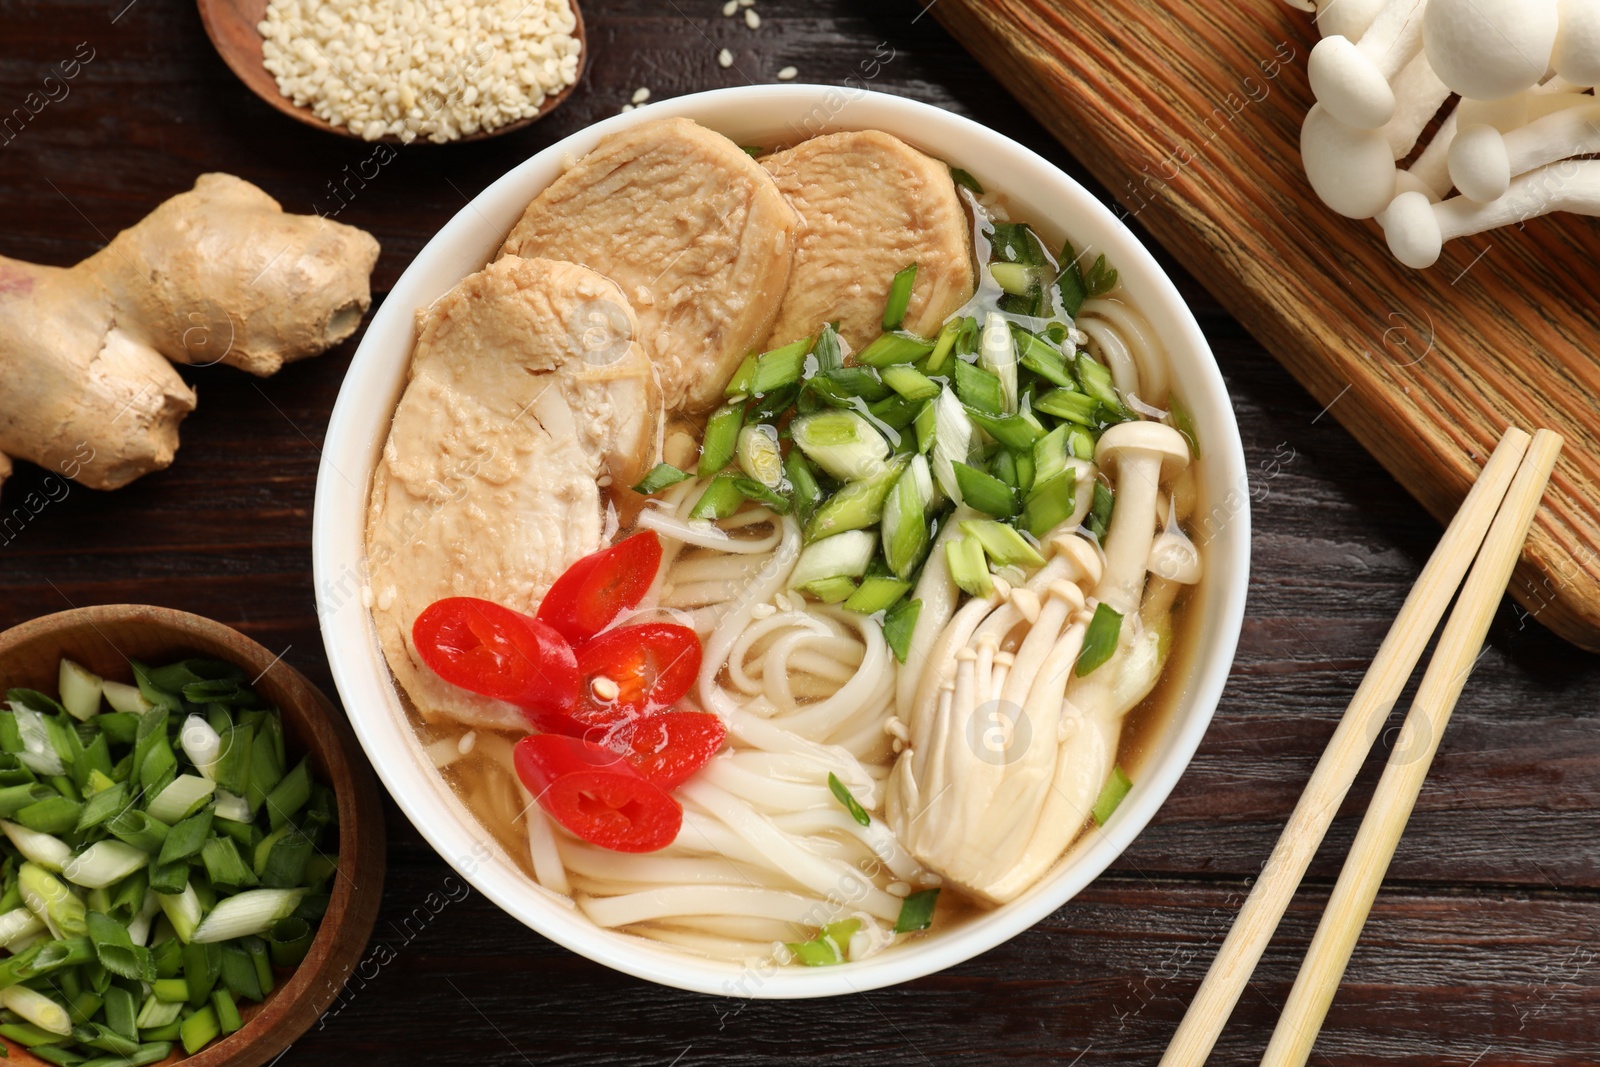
(1190, 115)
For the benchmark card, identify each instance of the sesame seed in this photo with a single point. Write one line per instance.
(752, 19)
(724, 58)
(787, 74)
(729, 8)
(640, 95)
(627, 107)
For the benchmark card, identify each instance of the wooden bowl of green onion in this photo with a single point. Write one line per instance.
(191, 861)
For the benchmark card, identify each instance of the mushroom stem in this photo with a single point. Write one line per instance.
(1416, 230)
(1483, 160)
(1418, 95)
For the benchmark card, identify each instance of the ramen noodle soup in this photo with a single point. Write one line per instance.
(784, 553)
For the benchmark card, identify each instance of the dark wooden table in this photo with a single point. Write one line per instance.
(1483, 949)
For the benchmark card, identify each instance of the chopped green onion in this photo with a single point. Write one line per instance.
(125, 698)
(80, 690)
(720, 499)
(779, 367)
(1051, 503)
(905, 523)
(1042, 358)
(759, 455)
(961, 177)
(1096, 381)
(1080, 442)
(721, 439)
(1050, 455)
(896, 412)
(50, 899)
(984, 492)
(1002, 543)
(926, 425)
(36, 1008)
(842, 793)
(227, 1010)
(894, 309)
(225, 867)
(844, 555)
(49, 852)
(199, 1029)
(157, 1012)
(187, 838)
(998, 355)
(182, 911)
(104, 863)
(121, 1009)
(830, 946)
(751, 489)
(739, 384)
(1099, 640)
(1111, 795)
(659, 477)
(1014, 278)
(18, 923)
(979, 389)
(831, 590)
(1099, 519)
(1069, 282)
(802, 482)
(858, 505)
(969, 568)
(1183, 422)
(139, 829)
(239, 974)
(909, 382)
(896, 347)
(1100, 279)
(827, 350)
(289, 941)
(943, 345)
(1074, 406)
(115, 950)
(842, 443)
(1017, 431)
(286, 861)
(917, 911)
(898, 626)
(251, 912)
(842, 386)
(55, 814)
(185, 795)
(876, 594)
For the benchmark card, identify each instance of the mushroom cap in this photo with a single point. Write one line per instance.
(1577, 52)
(1480, 166)
(1348, 84)
(1486, 49)
(1155, 439)
(1347, 18)
(1086, 564)
(1412, 230)
(1173, 557)
(1351, 170)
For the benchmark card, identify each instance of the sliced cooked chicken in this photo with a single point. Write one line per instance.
(694, 231)
(869, 205)
(527, 390)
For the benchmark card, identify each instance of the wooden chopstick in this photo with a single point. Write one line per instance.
(1341, 761)
(1396, 794)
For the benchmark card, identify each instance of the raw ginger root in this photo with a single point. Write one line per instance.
(219, 274)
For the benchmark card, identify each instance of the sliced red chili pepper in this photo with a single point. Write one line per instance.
(503, 654)
(633, 670)
(669, 746)
(596, 793)
(595, 590)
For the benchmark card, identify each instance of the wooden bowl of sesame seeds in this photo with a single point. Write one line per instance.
(233, 26)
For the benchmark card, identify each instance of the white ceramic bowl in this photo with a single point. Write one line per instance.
(766, 114)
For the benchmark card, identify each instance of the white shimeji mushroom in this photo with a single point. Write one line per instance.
(1483, 160)
(1351, 169)
(1486, 49)
(1416, 229)
(1346, 18)
(1576, 56)
(1351, 78)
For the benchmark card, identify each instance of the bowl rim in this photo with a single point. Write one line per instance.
(342, 936)
(377, 371)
